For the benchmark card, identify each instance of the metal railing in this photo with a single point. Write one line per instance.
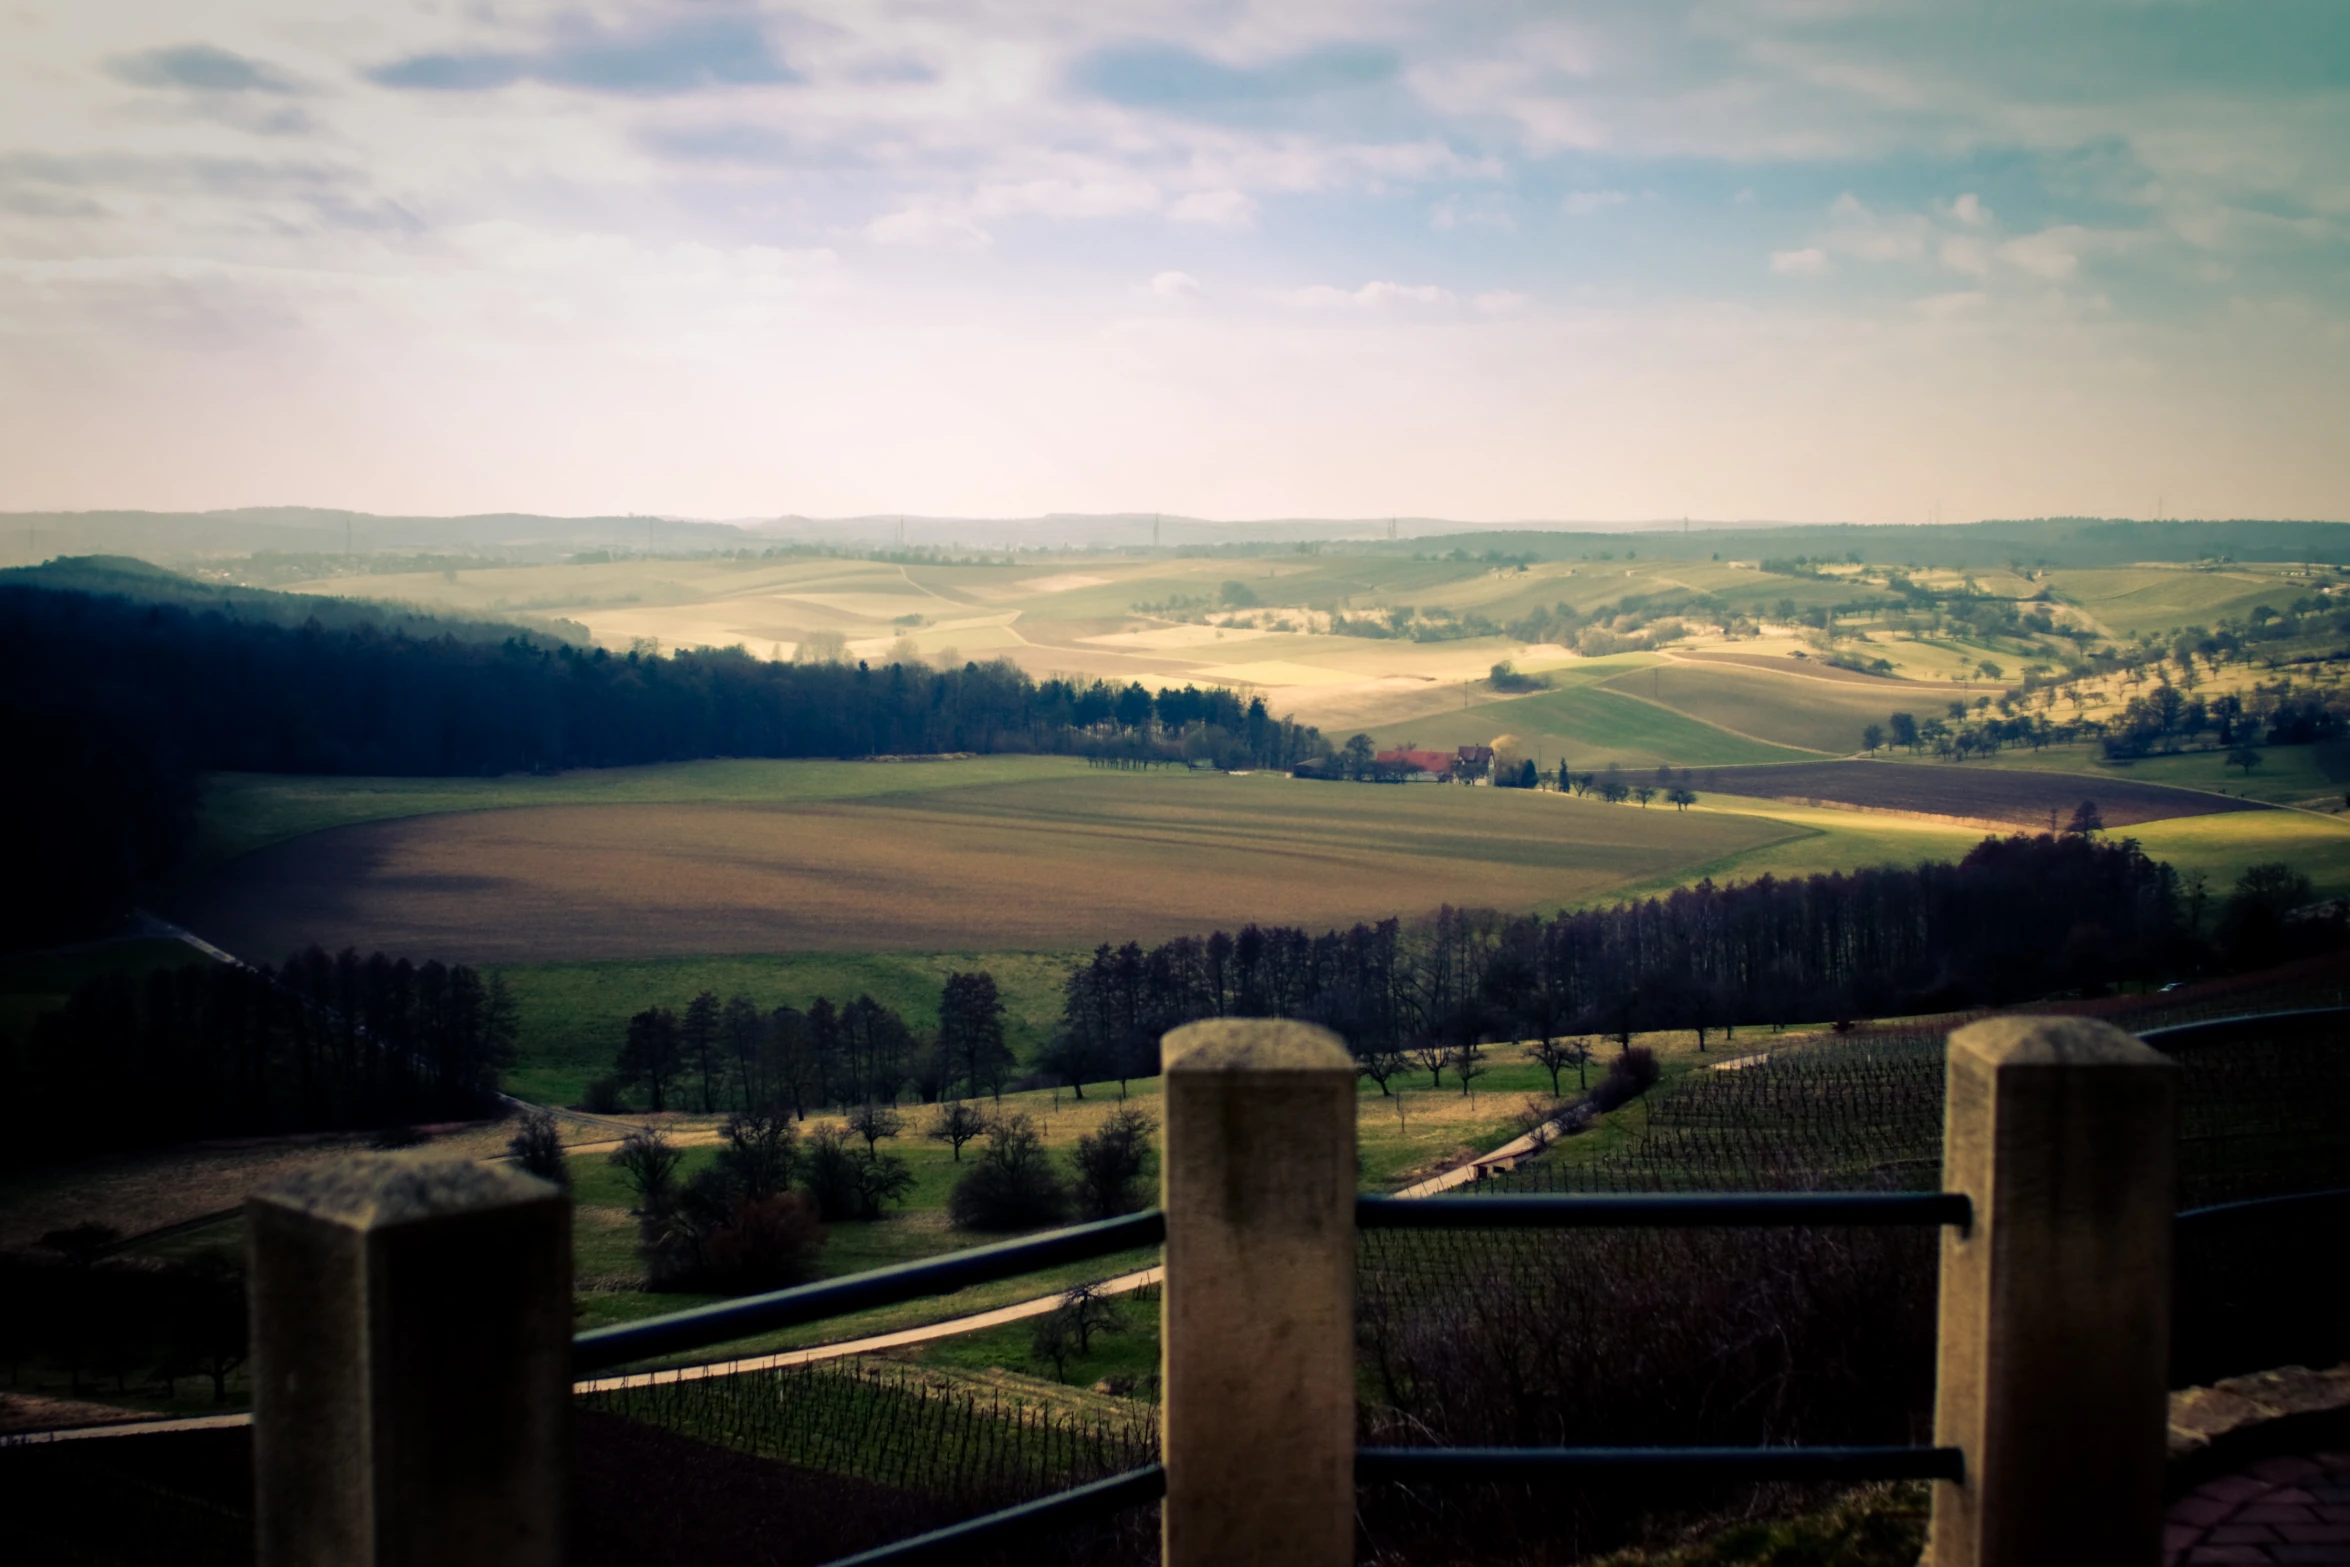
(2060, 1138)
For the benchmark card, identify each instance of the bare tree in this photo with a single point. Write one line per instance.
(958, 1122)
(650, 1163)
(873, 1121)
(1556, 1055)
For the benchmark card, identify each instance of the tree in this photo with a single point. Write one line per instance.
(1904, 729)
(2243, 754)
(1089, 1311)
(1110, 1164)
(971, 1032)
(697, 1039)
(1644, 792)
(1357, 756)
(760, 1154)
(208, 1325)
(648, 1060)
(1011, 1185)
(1469, 1064)
(1556, 1055)
(745, 1033)
(2085, 820)
(1681, 797)
(1872, 738)
(958, 1122)
(848, 1182)
(537, 1146)
(649, 1162)
(873, 1122)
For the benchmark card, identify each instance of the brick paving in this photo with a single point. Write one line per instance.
(2280, 1510)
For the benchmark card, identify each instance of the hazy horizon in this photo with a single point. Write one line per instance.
(1833, 262)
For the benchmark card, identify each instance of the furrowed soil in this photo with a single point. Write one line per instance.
(1959, 790)
(1044, 865)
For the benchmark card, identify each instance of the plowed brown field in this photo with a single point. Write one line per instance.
(1040, 865)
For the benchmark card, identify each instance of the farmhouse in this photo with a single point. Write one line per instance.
(1435, 766)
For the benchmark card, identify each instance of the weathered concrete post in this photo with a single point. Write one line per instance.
(1258, 1325)
(411, 1366)
(2056, 1302)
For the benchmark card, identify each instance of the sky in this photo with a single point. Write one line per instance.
(1805, 260)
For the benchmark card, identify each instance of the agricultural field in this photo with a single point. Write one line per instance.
(1046, 864)
(2133, 599)
(1589, 723)
(1793, 711)
(2010, 796)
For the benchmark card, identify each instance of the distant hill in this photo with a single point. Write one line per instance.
(137, 581)
(180, 537)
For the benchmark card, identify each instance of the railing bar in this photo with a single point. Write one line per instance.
(1663, 1210)
(725, 1321)
(1469, 1465)
(2186, 1033)
(960, 1542)
(2221, 1209)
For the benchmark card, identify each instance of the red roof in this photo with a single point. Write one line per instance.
(1426, 761)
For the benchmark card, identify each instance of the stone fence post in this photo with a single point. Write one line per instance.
(411, 1366)
(2055, 1316)
(1258, 1420)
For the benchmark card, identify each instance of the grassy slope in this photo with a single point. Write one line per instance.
(1589, 726)
(1787, 710)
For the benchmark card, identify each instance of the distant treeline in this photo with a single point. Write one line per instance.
(116, 704)
(216, 1050)
(2018, 918)
(735, 1055)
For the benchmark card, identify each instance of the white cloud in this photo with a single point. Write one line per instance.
(1499, 301)
(2053, 253)
(927, 228)
(1218, 208)
(1067, 198)
(1371, 296)
(1809, 262)
(1969, 210)
(1175, 285)
(1583, 203)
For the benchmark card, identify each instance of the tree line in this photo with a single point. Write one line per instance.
(119, 703)
(738, 1056)
(2018, 918)
(324, 1043)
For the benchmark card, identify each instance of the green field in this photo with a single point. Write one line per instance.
(1793, 711)
(2287, 775)
(2134, 599)
(1590, 726)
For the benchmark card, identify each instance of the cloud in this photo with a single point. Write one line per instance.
(1371, 296)
(672, 57)
(1181, 81)
(1056, 198)
(1809, 262)
(1175, 285)
(1483, 212)
(199, 68)
(927, 228)
(1583, 203)
(2054, 253)
(1216, 208)
(1499, 301)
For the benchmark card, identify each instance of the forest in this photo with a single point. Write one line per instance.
(2018, 919)
(120, 703)
(217, 1050)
